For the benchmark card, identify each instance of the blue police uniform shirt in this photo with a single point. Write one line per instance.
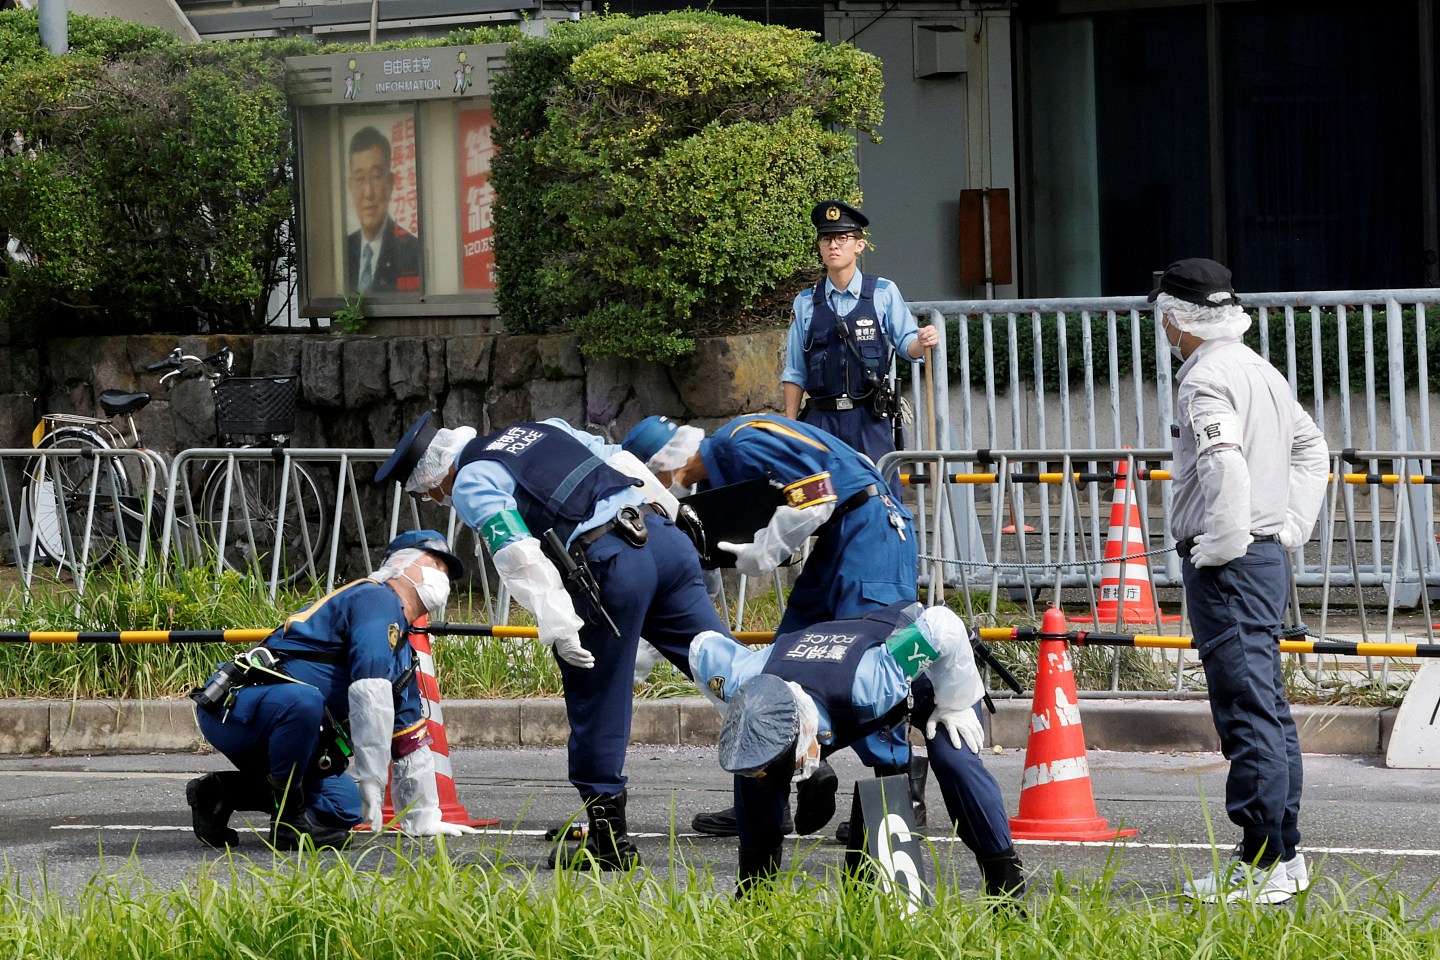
(484, 488)
(766, 445)
(880, 684)
(363, 619)
(890, 307)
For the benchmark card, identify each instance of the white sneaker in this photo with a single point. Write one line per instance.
(1297, 872)
(1240, 881)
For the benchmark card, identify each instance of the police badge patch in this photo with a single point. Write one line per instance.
(717, 687)
(395, 634)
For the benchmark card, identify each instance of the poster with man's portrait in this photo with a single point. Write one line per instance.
(382, 221)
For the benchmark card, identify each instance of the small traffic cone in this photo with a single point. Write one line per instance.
(1056, 802)
(1125, 539)
(451, 810)
(1011, 526)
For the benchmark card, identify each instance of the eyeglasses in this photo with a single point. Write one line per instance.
(836, 239)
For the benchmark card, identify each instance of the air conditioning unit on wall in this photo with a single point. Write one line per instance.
(942, 48)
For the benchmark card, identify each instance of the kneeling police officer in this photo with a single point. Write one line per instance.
(337, 679)
(819, 689)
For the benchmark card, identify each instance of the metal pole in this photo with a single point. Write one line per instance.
(54, 26)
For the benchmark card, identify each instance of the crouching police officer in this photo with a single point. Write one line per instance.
(605, 523)
(817, 690)
(338, 678)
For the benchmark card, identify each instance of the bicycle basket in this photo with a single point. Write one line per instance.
(256, 405)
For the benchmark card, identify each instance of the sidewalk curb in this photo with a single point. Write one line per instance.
(64, 727)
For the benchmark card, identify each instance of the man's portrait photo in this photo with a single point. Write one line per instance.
(381, 256)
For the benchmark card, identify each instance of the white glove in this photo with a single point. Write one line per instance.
(534, 582)
(372, 720)
(787, 530)
(418, 801)
(372, 805)
(962, 726)
(1293, 534)
(646, 657)
(1225, 482)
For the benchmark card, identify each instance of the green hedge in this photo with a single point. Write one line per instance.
(1100, 350)
(148, 181)
(655, 175)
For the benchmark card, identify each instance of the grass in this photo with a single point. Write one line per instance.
(387, 903)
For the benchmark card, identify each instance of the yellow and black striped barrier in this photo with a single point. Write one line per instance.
(988, 634)
(1110, 476)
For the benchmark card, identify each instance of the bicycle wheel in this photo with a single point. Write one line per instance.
(59, 506)
(240, 504)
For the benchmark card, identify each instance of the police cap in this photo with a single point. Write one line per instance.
(648, 437)
(760, 730)
(834, 216)
(408, 451)
(1199, 281)
(432, 542)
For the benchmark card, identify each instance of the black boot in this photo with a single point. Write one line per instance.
(1003, 874)
(756, 866)
(722, 823)
(815, 800)
(211, 806)
(607, 843)
(291, 822)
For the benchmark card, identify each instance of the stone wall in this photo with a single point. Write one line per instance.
(361, 391)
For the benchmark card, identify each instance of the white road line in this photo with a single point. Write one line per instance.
(491, 831)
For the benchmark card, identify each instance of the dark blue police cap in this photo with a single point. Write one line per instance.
(431, 541)
(833, 216)
(408, 451)
(761, 727)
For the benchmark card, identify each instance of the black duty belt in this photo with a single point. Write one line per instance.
(1183, 547)
(583, 541)
(858, 499)
(837, 403)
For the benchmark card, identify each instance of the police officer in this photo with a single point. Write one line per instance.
(601, 506)
(338, 676)
(1250, 473)
(826, 686)
(864, 557)
(846, 331)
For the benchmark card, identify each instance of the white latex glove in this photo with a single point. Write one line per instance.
(372, 805)
(786, 531)
(534, 582)
(963, 726)
(1225, 483)
(418, 800)
(646, 657)
(372, 720)
(1293, 535)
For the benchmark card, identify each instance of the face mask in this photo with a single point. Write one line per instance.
(433, 590)
(1174, 347)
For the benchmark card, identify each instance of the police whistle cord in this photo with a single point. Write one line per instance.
(1054, 565)
(1082, 638)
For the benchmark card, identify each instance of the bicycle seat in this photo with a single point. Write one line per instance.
(114, 402)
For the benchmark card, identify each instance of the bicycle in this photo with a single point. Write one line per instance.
(83, 508)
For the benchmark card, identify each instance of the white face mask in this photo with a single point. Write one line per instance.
(1174, 347)
(433, 590)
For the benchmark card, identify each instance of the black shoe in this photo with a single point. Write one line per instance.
(1003, 874)
(722, 823)
(815, 800)
(291, 823)
(209, 811)
(572, 829)
(842, 833)
(607, 843)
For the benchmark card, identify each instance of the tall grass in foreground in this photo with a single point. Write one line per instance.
(384, 906)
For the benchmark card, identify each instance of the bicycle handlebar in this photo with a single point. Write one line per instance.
(221, 361)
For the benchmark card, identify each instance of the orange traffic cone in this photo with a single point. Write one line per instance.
(1056, 802)
(451, 810)
(1125, 539)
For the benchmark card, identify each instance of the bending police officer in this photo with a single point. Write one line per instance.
(818, 689)
(337, 677)
(602, 515)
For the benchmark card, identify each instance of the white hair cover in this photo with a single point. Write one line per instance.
(430, 472)
(1228, 322)
(680, 447)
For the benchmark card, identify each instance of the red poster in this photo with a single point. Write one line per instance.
(477, 201)
(404, 205)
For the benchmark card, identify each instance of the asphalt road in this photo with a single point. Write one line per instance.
(1365, 825)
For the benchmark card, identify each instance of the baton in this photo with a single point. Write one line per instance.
(581, 577)
(987, 657)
